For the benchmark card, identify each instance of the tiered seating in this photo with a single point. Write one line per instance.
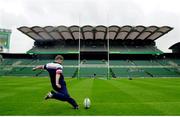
(121, 72)
(145, 62)
(8, 61)
(42, 62)
(162, 72)
(53, 50)
(93, 62)
(93, 72)
(92, 68)
(139, 74)
(20, 71)
(43, 73)
(134, 72)
(3, 71)
(94, 48)
(65, 62)
(120, 62)
(25, 61)
(157, 69)
(69, 71)
(70, 62)
(177, 61)
(163, 61)
(135, 50)
(126, 72)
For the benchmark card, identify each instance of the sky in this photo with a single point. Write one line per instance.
(17, 13)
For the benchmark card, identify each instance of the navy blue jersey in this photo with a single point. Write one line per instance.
(54, 68)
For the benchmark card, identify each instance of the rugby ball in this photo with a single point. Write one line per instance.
(87, 103)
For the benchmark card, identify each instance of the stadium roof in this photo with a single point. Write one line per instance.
(100, 32)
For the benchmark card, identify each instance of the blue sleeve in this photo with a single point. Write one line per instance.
(45, 66)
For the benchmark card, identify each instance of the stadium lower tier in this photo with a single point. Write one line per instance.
(95, 68)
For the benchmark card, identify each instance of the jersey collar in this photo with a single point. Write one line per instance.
(56, 62)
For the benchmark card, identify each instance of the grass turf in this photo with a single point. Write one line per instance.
(150, 96)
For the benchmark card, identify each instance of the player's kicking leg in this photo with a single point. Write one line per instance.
(62, 97)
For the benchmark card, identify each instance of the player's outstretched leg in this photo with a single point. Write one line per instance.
(62, 97)
(72, 102)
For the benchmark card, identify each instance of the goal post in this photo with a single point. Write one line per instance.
(108, 68)
(101, 69)
(79, 52)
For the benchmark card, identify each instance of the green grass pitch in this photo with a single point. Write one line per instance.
(148, 96)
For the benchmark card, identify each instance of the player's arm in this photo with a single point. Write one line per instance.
(58, 74)
(38, 67)
(57, 80)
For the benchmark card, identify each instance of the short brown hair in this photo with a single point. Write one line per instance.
(59, 57)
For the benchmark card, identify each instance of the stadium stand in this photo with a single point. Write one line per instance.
(93, 72)
(145, 62)
(120, 62)
(162, 72)
(131, 50)
(177, 61)
(93, 62)
(120, 72)
(120, 68)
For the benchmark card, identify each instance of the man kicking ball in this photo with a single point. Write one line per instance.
(55, 70)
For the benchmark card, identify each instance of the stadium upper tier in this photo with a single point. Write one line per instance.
(114, 32)
(112, 49)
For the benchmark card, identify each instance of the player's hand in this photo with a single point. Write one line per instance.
(58, 85)
(34, 69)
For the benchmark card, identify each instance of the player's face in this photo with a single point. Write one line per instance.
(60, 61)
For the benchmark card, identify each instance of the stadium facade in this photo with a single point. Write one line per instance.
(96, 51)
